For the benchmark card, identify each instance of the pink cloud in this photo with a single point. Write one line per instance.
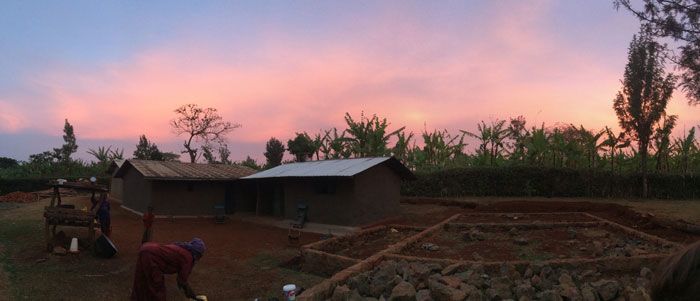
(403, 70)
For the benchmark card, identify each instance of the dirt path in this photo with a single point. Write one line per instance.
(243, 260)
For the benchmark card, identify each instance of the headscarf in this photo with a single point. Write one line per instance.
(195, 246)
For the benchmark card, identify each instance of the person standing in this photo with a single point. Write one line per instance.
(156, 260)
(148, 218)
(104, 215)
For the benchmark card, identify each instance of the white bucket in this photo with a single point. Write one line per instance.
(73, 245)
(289, 291)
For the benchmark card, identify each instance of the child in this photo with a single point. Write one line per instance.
(148, 218)
(104, 215)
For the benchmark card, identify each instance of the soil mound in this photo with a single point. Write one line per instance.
(19, 197)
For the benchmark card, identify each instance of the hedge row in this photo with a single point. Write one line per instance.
(547, 182)
(31, 184)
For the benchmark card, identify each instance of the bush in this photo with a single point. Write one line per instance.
(547, 182)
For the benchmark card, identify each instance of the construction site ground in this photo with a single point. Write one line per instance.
(247, 260)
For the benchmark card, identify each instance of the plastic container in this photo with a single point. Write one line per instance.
(290, 291)
(74, 246)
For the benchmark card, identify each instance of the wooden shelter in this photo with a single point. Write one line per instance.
(58, 214)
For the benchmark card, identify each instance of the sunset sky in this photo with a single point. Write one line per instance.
(118, 69)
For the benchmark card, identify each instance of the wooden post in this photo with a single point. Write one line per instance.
(58, 194)
(53, 196)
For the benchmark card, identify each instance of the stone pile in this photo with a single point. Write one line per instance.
(404, 281)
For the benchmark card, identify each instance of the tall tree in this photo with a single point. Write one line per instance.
(646, 91)
(224, 154)
(200, 125)
(678, 20)
(368, 136)
(69, 146)
(145, 150)
(250, 162)
(302, 147)
(274, 151)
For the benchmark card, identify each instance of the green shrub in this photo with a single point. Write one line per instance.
(547, 182)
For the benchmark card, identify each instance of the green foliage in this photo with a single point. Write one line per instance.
(8, 163)
(546, 182)
(250, 162)
(274, 151)
(302, 147)
(69, 147)
(368, 137)
(678, 20)
(646, 91)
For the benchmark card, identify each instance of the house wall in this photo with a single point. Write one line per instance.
(337, 208)
(116, 188)
(187, 197)
(136, 191)
(377, 194)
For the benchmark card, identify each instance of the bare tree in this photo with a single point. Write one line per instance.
(200, 125)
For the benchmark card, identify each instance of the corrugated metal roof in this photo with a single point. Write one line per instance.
(331, 168)
(175, 170)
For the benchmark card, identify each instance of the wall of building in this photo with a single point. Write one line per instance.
(136, 191)
(116, 188)
(377, 195)
(187, 198)
(327, 208)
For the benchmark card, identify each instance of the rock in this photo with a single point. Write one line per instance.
(535, 281)
(587, 273)
(467, 288)
(508, 270)
(477, 295)
(430, 247)
(646, 273)
(525, 290)
(549, 295)
(606, 289)
(383, 287)
(477, 257)
(434, 267)
(473, 235)
(360, 282)
(355, 296)
(528, 273)
(565, 280)
(451, 269)
(423, 295)
(403, 291)
(572, 232)
(501, 288)
(341, 293)
(569, 293)
(451, 281)
(513, 232)
(639, 295)
(546, 271)
(521, 241)
(597, 249)
(588, 293)
(441, 292)
(642, 282)
(58, 250)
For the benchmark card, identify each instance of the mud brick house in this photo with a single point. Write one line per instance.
(179, 189)
(342, 192)
(116, 190)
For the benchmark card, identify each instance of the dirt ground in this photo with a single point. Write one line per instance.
(242, 260)
(498, 244)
